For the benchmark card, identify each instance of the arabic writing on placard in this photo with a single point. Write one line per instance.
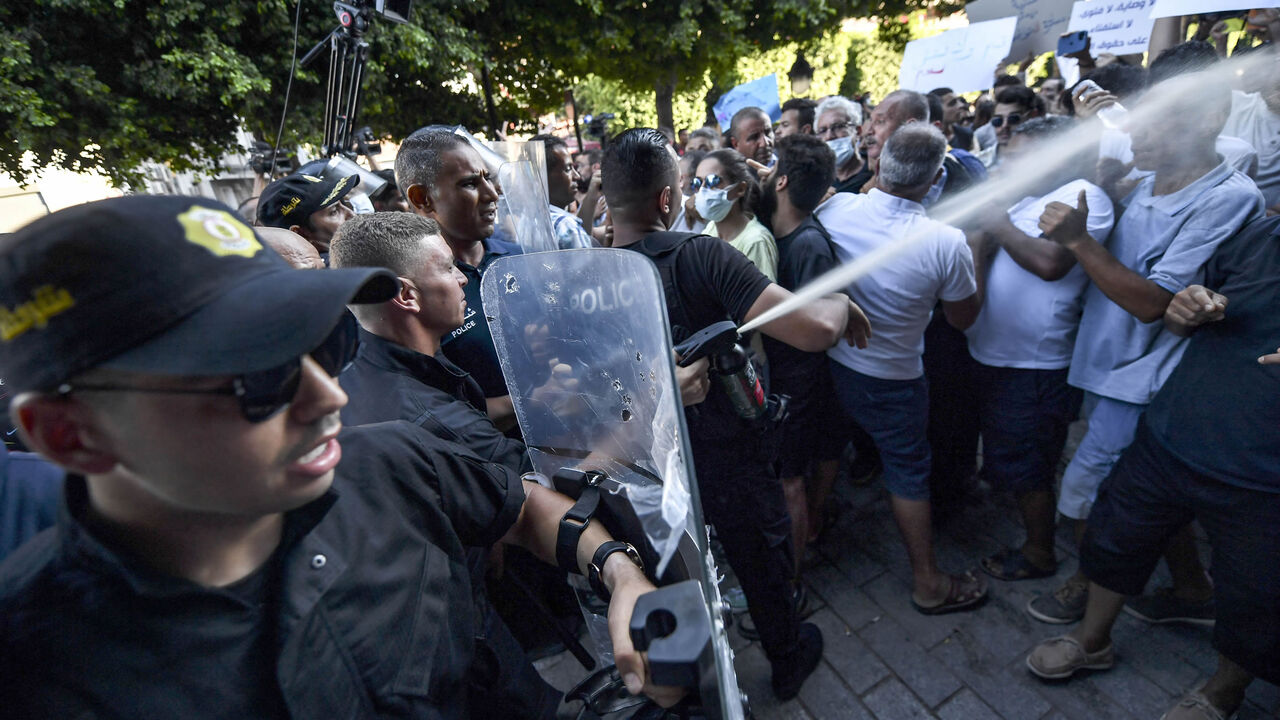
(1174, 8)
(1117, 27)
(1040, 22)
(961, 59)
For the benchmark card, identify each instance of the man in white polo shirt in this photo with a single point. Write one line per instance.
(1023, 340)
(1255, 117)
(883, 386)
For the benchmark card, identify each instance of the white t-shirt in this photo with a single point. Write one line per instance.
(1253, 121)
(898, 295)
(1027, 322)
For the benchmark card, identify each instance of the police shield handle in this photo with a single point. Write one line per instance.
(628, 583)
(1065, 224)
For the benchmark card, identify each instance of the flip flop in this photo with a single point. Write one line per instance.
(966, 591)
(1010, 564)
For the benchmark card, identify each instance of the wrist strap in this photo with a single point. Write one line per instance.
(597, 565)
(572, 525)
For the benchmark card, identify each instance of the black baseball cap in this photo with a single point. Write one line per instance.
(292, 199)
(165, 285)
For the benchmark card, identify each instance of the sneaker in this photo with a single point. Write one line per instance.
(1162, 606)
(789, 675)
(1061, 607)
(1195, 707)
(1060, 657)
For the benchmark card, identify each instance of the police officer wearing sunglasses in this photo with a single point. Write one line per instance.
(223, 550)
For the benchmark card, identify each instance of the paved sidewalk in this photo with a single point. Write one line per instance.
(885, 661)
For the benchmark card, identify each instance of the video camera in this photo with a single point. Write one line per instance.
(598, 125)
(394, 10)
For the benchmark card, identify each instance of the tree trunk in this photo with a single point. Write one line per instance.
(489, 109)
(664, 91)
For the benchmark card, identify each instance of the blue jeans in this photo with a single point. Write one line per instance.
(895, 413)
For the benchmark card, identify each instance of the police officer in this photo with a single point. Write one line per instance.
(222, 548)
(308, 205)
(705, 281)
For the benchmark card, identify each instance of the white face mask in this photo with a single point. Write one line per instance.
(713, 205)
(843, 148)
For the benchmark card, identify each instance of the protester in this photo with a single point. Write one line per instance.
(725, 194)
(1255, 118)
(1173, 222)
(1051, 93)
(898, 108)
(562, 178)
(882, 387)
(212, 506)
(811, 441)
(1169, 475)
(797, 118)
(837, 124)
(751, 134)
(309, 206)
(292, 247)
(1014, 104)
(689, 220)
(707, 282)
(955, 112)
(1023, 340)
(445, 180)
(704, 139)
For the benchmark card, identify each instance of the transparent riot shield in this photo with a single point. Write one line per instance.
(519, 169)
(586, 352)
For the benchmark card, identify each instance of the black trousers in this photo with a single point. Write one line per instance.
(742, 497)
(953, 409)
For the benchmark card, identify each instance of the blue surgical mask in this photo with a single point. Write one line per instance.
(713, 205)
(843, 148)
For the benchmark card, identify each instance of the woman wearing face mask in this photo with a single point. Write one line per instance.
(725, 191)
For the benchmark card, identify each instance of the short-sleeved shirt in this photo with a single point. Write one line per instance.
(470, 346)
(1254, 122)
(803, 254)
(388, 381)
(1219, 410)
(756, 242)
(899, 295)
(1167, 239)
(1028, 322)
(856, 181)
(570, 234)
(368, 611)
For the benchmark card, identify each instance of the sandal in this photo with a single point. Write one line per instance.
(966, 591)
(1010, 564)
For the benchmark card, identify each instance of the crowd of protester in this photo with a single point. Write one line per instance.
(206, 551)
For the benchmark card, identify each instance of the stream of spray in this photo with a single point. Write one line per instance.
(1012, 179)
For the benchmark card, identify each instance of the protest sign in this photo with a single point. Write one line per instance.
(761, 93)
(1118, 27)
(1174, 8)
(962, 59)
(1040, 23)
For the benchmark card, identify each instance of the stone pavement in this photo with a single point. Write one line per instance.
(884, 660)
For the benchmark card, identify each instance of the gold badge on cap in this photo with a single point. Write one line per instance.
(219, 232)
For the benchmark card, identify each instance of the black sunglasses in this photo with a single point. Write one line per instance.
(712, 182)
(264, 393)
(1014, 119)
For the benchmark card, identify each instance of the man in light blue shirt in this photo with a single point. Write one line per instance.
(562, 178)
(1170, 226)
(883, 386)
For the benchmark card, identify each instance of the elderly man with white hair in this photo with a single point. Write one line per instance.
(836, 122)
(883, 386)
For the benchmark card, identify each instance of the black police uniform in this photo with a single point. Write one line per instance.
(364, 609)
(388, 381)
(470, 346)
(705, 280)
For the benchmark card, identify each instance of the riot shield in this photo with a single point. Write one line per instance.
(519, 171)
(586, 352)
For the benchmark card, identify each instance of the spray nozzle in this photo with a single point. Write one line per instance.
(710, 340)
